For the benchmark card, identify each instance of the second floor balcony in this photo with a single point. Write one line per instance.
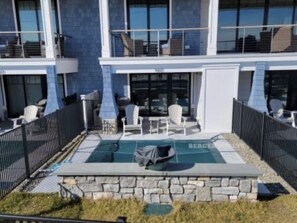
(29, 44)
(159, 42)
(257, 39)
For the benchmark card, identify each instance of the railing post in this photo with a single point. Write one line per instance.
(183, 42)
(26, 155)
(243, 40)
(159, 47)
(271, 39)
(240, 120)
(133, 39)
(58, 129)
(262, 135)
(113, 45)
(233, 115)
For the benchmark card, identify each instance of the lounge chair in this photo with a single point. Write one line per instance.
(132, 47)
(30, 114)
(132, 121)
(175, 119)
(278, 112)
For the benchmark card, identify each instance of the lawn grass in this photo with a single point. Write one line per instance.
(281, 209)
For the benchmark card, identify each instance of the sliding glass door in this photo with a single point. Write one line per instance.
(146, 15)
(22, 91)
(153, 93)
(30, 18)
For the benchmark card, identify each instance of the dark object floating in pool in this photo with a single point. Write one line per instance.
(154, 157)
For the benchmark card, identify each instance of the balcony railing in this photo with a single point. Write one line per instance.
(159, 42)
(27, 44)
(257, 39)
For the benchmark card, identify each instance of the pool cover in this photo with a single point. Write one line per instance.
(152, 154)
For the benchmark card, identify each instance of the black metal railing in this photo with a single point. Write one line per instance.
(274, 141)
(31, 219)
(23, 150)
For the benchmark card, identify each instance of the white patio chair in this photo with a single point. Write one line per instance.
(175, 119)
(278, 112)
(30, 114)
(132, 121)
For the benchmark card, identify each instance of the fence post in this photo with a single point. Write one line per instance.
(83, 99)
(262, 135)
(240, 120)
(58, 129)
(26, 156)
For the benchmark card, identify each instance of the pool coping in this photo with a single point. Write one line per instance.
(173, 169)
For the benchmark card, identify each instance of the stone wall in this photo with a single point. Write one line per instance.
(161, 189)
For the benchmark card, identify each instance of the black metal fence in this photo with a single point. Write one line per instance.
(274, 141)
(23, 150)
(33, 219)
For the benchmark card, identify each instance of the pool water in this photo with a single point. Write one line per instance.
(187, 151)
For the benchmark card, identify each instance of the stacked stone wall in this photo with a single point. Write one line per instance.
(161, 189)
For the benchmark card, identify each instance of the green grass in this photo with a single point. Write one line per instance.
(281, 209)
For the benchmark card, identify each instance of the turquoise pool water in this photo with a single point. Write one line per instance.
(187, 151)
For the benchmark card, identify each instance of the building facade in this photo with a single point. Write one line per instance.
(199, 54)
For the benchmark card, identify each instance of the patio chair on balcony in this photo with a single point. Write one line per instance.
(282, 40)
(30, 114)
(175, 119)
(132, 47)
(132, 121)
(173, 47)
(278, 112)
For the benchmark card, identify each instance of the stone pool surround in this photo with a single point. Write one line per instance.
(183, 182)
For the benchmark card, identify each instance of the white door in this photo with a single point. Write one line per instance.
(221, 86)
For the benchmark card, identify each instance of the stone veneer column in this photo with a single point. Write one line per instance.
(109, 110)
(54, 101)
(257, 96)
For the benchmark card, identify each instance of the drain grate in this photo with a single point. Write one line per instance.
(157, 209)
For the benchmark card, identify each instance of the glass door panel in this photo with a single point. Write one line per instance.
(153, 93)
(227, 17)
(33, 89)
(140, 92)
(137, 11)
(180, 93)
(158, 94)
(15, 94)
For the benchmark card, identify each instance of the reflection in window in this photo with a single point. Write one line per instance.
(280, 12)
(154, 93)
(148, 14)
(30, 18)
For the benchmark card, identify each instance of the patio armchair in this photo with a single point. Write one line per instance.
(132, 121)
(30, 114)
(278, 112)
(281, 40)
(173, 47)
(132, 47)
(175, 119)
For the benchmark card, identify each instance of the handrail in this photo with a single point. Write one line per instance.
(258, 26)
(21, 32)
(155, 30)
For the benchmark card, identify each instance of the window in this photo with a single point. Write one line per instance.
(250, 13)
(148, 14)
(154, 93)
(30, 18)
(22, 91)
(282, 85)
